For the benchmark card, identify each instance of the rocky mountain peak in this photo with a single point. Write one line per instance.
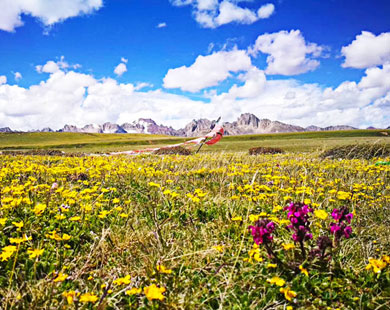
(5, 129)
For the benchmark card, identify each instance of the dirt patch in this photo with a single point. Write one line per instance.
(178, 150)
(77, 177)
(265, 150)
(362, 151)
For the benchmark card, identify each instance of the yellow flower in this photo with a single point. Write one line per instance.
(288, 246)
(254, 217)
(124, 215)
(134, 291)
(39, 208)
(19, 240)
(376, 264)
(125, 280)
(162, 269)
(303, 270)
(288, 293)
(343, 195)
(254, 253)
(3, 221)
(60, 217)
(153, 292)
(386, 258)
(103, 214)
(19, 225)
(75, 218)
(35, 252)
(276, 280)
(321, 214)
(60, 277)
(7, 252)
(66, 237)
(152, 184)
(69, 295)
(88, 297)
(237, 218)
(271, 265)
(218, 248)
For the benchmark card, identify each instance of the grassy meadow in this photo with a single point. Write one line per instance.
(94, 143)
(216, 230)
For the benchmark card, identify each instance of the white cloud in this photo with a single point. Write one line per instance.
(124, 60)
(367, 50)
(76, 98)
(161, 25)
(362, 104)
(120, 69)
(49, 67)
(215, 13)
(54, 66)
(207, 71)
(48, 12)
(3, 79)
(266, 11)
(17, 76)
(230, 12)
(289, 54)
(254, 83)
(69, 97)
(141, 85)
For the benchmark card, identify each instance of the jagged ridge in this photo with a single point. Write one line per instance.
(247, 123)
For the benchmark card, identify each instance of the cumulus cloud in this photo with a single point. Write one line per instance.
(266, 11)
(49, 67)
(76, 98)
(289, 53)
(120, 69)
(367, 50)
(54, 66)
(362, 104)
(48, 12)
(69, 97)
(3, 79)
(161, 25)
(215, 13)
(17, 76)
(207, 71)
(141, 85)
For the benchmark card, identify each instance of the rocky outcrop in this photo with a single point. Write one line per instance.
(46, 129)
(313, 128)
(69, 128)
(249, 124)
(5, 129)
(339, 127)
(112, 128)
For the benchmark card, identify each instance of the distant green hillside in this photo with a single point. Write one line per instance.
(90, 142)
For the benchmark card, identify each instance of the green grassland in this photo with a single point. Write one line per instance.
(88, 142)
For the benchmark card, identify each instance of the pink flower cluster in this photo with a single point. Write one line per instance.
(340, 227)
(298, 214)
(262, 231)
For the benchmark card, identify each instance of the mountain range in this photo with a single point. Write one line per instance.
(247, 123)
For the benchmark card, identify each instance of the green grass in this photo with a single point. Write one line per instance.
(84, 142)
(125, 216)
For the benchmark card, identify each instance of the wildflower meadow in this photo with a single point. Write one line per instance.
(206, 231)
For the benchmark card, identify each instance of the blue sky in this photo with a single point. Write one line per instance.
(303, 62)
